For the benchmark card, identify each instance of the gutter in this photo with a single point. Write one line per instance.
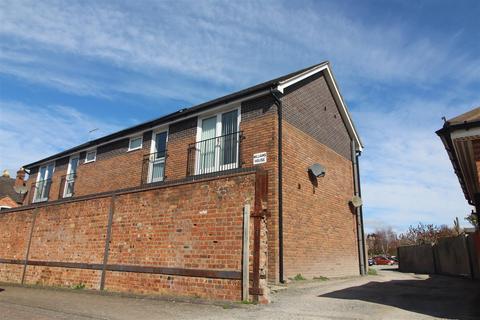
(169, 119)
(279, 105)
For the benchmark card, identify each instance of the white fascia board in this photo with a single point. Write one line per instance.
(299, 77)
(336, 94)
(465, 133)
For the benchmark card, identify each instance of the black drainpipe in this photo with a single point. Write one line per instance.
(278, 103)
(359, 210)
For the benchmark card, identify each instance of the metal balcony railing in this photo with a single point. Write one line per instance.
(41, 190)
(215, 154)
(67, 186)
(153, 167)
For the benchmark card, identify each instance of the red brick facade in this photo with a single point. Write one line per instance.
(157, 227)
(319, 227)
(197, 225)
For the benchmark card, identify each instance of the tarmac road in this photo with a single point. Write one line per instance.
(388, 295)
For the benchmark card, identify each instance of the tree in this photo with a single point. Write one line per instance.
(425, 234)
(382, 242)
(472, 219)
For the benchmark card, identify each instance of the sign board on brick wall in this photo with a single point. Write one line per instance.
(259, 158)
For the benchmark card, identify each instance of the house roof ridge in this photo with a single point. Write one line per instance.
(177, 114)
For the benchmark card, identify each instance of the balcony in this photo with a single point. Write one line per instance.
(41, 190)
(67, 186)
(215, 154)
(153, 167)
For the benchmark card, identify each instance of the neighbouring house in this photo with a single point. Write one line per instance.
(461, 138)
(9, 198)
(163, 207)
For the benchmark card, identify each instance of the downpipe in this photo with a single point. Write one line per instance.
(359, 211)
(279, 105)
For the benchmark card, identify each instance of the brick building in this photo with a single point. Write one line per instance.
(9, 198)
(169, 196)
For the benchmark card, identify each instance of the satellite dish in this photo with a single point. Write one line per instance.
(22, 189)
(356, 201)
(317, 170)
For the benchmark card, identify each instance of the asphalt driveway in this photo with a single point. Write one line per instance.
(389, 295)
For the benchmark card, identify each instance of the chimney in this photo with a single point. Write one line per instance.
(20, 180)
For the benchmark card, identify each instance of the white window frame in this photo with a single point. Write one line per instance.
(35, 200)
(152, 153)
(218, 130)
(5, 207)
(69, 169)
(130, 143)
(86, 156)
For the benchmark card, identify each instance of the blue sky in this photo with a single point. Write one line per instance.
(66, 69)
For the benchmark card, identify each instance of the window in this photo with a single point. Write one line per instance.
(70, 177)
(44, 180)
(135, 143)
(91, 156)
(218, 142)
(157, 159)
(4, 208)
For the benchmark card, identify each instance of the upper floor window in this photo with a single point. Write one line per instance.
(217, 145)
(44, 181)
(91, 156)
(135, 143)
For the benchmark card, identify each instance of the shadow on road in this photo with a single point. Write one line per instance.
(437, 296)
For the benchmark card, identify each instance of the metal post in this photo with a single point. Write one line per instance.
(107, 241)
(246, 253)
(29, 244)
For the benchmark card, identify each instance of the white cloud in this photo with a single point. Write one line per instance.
(31, 132)
(226, 43)
(408, 177)
(177, 49)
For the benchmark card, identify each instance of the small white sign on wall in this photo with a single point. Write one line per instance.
(259, 158)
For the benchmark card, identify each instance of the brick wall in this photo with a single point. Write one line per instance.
(158, 227)
(180, 135)
(14, 235)
(116, 168)
(319, 227)
(309, 106)
(260, 127)
(319, 135)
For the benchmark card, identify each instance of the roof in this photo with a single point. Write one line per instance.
(466, 121)
(470, 116)
(6, 189)
(271, 84)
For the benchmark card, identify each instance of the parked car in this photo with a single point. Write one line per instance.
(394, 258)
(370, 262)
(383, 261)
